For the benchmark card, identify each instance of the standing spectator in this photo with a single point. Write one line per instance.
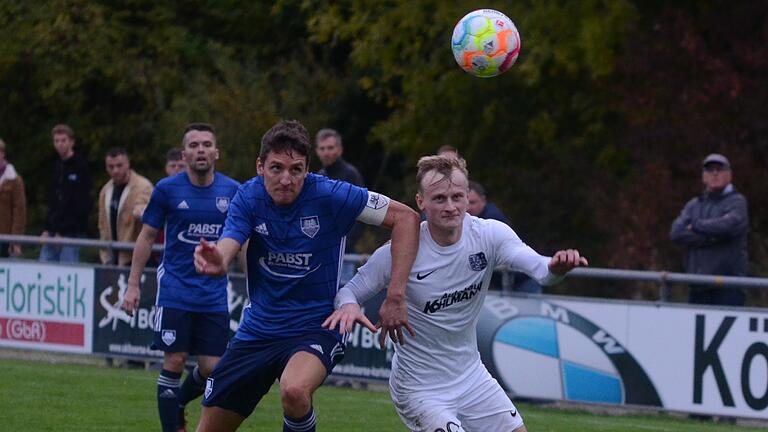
(69, 199)
(13, 204)
(174, 163)
(121, 203)
(329, 150)
(713, 226)
(480, 207)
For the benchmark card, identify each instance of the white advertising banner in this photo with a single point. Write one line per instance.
(705, 360)
(45, 306)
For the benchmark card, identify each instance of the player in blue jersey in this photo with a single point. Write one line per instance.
(191, 315)
(296, 223)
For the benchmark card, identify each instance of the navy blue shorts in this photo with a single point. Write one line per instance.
(203, 333)
(249, 368)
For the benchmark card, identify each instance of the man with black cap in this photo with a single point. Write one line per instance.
(713, 226)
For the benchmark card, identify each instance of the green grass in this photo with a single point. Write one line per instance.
(37, 396)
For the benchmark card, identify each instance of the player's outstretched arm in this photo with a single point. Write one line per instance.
(565, 260)
(213, 259)
(393, 313)
(345, 318)
(141, 253)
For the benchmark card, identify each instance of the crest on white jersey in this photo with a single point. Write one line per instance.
(208, 387)
(478, 262)
(222, 203)
(310, 226)
(169, 336)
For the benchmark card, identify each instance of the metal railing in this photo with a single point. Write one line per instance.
(662, 278)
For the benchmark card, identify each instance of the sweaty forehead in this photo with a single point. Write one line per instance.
(435, 182)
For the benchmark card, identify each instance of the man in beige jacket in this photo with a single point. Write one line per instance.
(121, 202)
(13, 204)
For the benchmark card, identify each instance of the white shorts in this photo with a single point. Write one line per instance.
(479, 405)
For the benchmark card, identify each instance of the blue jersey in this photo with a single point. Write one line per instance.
(294, 254)
(189, 213)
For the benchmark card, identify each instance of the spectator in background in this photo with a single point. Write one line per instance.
(480, 207)
(448, 150)
(69, 199)
(121, 203)
(174, 163)
(713, 226)
(13, 204)
(329, 150)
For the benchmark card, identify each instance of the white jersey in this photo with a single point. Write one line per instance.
(445, 294)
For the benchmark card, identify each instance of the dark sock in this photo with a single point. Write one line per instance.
(304, 424)
(192, 388)
(167, 399)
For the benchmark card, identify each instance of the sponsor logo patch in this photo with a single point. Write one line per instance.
(208, 387)
(183, 205)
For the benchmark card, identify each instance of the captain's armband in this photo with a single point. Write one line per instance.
(375, 209)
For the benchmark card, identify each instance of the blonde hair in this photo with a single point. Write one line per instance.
(442, 164)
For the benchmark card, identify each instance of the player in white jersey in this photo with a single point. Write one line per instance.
(438, 382)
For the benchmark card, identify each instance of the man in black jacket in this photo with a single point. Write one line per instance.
(69, 199)
(329, 150)
(714, 227)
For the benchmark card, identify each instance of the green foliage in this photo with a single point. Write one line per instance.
(606, 107)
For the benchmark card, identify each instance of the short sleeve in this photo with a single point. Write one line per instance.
(239, 222)
(347, 202)
(157, 209)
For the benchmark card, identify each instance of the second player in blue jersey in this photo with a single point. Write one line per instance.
(191, 315)
(296, 223)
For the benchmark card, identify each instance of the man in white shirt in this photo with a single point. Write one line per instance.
(438, 382)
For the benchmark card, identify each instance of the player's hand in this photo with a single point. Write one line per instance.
(565, 260)
(131, 299)
(393, 315)
(346, 317)
(208, 259)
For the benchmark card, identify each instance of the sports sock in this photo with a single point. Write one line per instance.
(167, 399)
(304, 424)
(192, 388)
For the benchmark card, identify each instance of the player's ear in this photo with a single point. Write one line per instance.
(419, 201)
(259, 167)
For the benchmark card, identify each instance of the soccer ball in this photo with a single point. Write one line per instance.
(485, 43)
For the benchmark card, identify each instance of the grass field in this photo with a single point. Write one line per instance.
(38, 396)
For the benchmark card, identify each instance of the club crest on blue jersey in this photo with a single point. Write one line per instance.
(310, 226)
(222, 203)
(478, 262)
(169, 336)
